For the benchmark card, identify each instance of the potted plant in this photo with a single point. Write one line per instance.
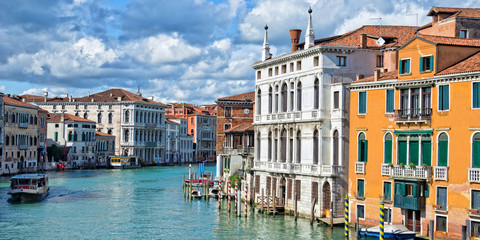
(401, 165)
(390, 164)
(473, 210)
(412, 165)
(437, 206)
(424, 165)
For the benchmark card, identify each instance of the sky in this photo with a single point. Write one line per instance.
(191, 51)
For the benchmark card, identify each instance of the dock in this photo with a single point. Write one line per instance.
(270, 205)
(336, 221)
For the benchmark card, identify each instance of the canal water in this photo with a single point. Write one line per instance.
(144, 203)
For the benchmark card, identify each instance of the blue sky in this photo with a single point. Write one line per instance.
(184, 50)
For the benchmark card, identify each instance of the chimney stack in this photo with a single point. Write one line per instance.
(150, 98)
(363, 40)
(45, 96)
(376, 74)
(295, 37)
(359, 76)
(23, 99)
(70, 98)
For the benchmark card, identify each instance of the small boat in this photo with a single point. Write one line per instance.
(214, 192)
(123, 162)
(390, 232)
(61, 166)
(196, 194)
(28, 187)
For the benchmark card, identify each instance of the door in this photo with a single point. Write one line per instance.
(413, 216)
(327, 195)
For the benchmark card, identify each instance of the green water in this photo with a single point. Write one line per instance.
(144, 203)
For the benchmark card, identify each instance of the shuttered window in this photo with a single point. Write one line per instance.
(441, 223)
(442, 197)
(427, 152)
(315, 190)
(387, 149)
(360, 188)
(402, 152)
(361, 211)
(298, 188)
(400, 189)
(475, 199)
(362, 150)
(404, 66)
(257, 184)
(476, 151)
(443, 150)
(390, 101)
(387, 191)
(476, 95)
(289, 189)
(414, 152)
(443, 98)
(362, 102)
(426, 64)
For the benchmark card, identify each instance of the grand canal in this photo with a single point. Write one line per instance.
(143, 203)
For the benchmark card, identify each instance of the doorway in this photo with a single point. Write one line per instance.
(327, 196)
(413, 217)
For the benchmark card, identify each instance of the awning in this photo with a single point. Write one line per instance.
(412, 132)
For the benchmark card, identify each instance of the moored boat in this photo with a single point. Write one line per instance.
(125, 162)
(28, 187)
(390, 232)
(196, 194)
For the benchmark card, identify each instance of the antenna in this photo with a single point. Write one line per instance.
(380, 40)
(414, 14)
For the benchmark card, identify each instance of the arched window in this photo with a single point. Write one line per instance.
(336, 148)
(275, 146)
(284, 97)
(275, 103)
(7, 140)
(109, 131)
(362, 148)
(299, 96)
(292, 96)
(75, 136)
(110, 118)
(99, 118)
(83, 137)
(85, 115)
(127, 116)
(476, 151)
(442, 150)
(299, 147)
(70, 136)
(283, 144)
(270, 99)
(315, 146)
(315, 94)
(387, 148)
(290, 151)
(270, 139)
(258, 145)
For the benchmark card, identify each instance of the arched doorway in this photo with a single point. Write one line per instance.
(327, 196)
(283, 189)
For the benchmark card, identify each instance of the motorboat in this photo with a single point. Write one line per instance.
(390, 232)
(28, 187)
(123, 162)
(196, 194)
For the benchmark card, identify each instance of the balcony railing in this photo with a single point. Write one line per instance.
(360, 167)
(413, 114)
(23, 147)
(404, 171)
(386, 169)
(23, 125)
(474, 175)
(298, 168)
(440, 173)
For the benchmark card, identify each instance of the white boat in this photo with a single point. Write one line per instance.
(28, 187)
(196, 194)
(390, 232)
(125, 162)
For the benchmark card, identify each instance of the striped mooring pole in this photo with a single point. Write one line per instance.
(236, 193)
(219, 193)
(228, 194)
(382, 218)
(346, 216)
(246, 188)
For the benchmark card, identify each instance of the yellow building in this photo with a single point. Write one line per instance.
(415, 139)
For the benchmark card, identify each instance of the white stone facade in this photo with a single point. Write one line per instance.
(179, 147)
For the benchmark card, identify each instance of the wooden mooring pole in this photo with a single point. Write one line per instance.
(312, 211)
(331, 215)
(296, 213)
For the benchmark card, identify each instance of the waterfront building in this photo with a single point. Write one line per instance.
(21, 136)
(76, 135)
(104, 148)
(301, 113)
(179, 147)
(43, 161)
(415, 135)
(2, 131)
(202, 124)
(138, 123)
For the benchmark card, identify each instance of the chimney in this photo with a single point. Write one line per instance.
(150, 98)
(363, 40)
(89, 94)
(111, 94)
(119, 99)
(45, 96)
(70, 98)
(23, 99)
(359, 76)
(376, 74)
(295, 37)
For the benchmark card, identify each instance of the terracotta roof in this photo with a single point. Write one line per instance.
(249, 97)
(11, 101)
(383, 76)
(32, 98)
(241, 128)
(394, 36)
(56, 117)
(469, 42)
(470, 64)
(460, 12)
(42, 110)
(103, 134)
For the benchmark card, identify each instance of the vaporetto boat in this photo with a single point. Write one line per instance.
(28, 187)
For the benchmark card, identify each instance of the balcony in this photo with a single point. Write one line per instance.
(413, 115)
(239, 150)
(23, 125)
(409, 202)
(386, 169)
(23, 147)
(360, 167)
(405, 171)
(440, 173)
(474, 175)
(298, 168)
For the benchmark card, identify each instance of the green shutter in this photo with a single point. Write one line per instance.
(390, 100)
(444, 98)
(408, 66)
(426, 192)
(361, 188)
(476, 154)
(427, 153)
(402, 152)
(400, 69)
(431, 63)
(365, 150)
(414, 152)
(442, 153)
(359, 151)
(387, 190)
(415, 190)
(421, 65)
(56, 136)
(400, 189)
(476, 95)
(388, 151)
(362, 103)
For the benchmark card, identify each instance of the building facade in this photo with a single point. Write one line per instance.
(179, 143)
(104, 148)
(301, 117)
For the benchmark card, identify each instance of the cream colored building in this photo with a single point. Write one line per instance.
(105, 147)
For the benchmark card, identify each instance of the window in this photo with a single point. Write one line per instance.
(227, 126)
(426, 64)
(404, 66)
(315, 94)
(315, 61)
(299, 65)
(259, 74)
(475, 199)
(270, 100)
(258, 106)
(336, 100)
(291, 67)
(390, 101)
(298, 188)
(441, 223)
(56, 136)
(341, 61)
(414, 150)
(476, 95)
(276, 71)
(475, 229)
(442, 150)
(362, 102)
(476, 151)
(387, 148)
(361, 211)
(110, 118)
(284, 97)
(85, 106)
(362, 148)
(426, 150)
(387, 191)
(270, 72)
(463, 33)
(388, 216)
(360, 188)
(54, 107)
(443, 97)
(77, 106)
(299, 96)
(336, 149)
(379, 61)
(315, 146)
(99, 117)
(442, 198)
(299, 146)
(284, 68)
(228, 112)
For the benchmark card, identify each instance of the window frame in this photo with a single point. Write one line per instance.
(358, 192)
(403, 72)
(392, 99)
(357, 212)
(471, 196)
(339, 62)
(438, 148)
(473, 93)
(446, 197)
(422, 65)
(465, 31)
(440, 95)
(336, 100)
(359, 99)
(436, 222)
(379, 61)
(383, 191)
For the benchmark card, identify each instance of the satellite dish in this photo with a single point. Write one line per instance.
(380, 42)
(246, 111)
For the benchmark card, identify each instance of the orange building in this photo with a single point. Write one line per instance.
(415, 138)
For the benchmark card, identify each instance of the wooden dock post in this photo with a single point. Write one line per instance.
(273, 201)
(432, 233)
(296, 213)
(268, 201)
(312, 211)
(263, 199)
(331, 215)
